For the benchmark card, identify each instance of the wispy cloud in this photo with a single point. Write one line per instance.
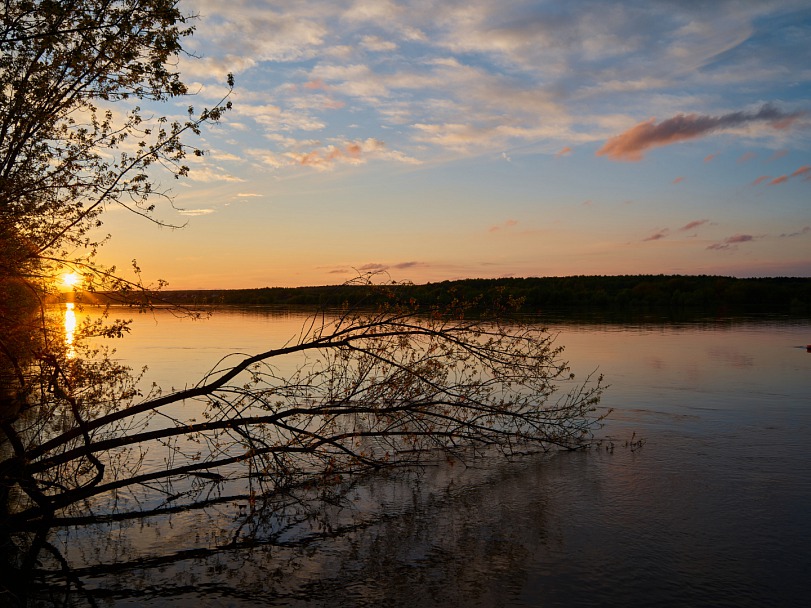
(196, 212)
(377, 44)
(660, 234)
(633, 143)
(732, 242)
(315, 85)
(212, 174)
(375, 267)
(665, 232)
(566, 151)
(678, 180)
(692, 225)
(805, 230)
(504, 226)
(709, 158)
(325, 157)
(781, 179)
(746, 157)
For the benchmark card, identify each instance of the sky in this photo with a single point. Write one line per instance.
(440, 140)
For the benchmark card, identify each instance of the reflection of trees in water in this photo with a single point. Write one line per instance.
(261, 459)
(83, 446)
(443, 536)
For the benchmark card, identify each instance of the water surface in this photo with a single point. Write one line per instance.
(713, 510)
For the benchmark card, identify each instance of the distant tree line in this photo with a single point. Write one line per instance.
(715, 294)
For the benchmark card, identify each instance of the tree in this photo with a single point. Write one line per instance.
(65, 154)
(364, 391)
(367, 390)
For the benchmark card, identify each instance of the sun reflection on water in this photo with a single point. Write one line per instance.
(70, 329)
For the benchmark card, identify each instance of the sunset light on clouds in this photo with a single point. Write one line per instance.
(440, 139)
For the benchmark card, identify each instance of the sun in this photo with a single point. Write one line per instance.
(71, 279)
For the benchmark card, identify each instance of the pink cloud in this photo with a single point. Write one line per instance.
(563, 152)
(693, 224)
(678, 180)
(778, 154)
(732, 241)
(316, 84)
(802, 171)
(761, 179)
(352, 152)
(746, 157)
(631, 145)
(779, 180)
(709, 157)
(657, 235)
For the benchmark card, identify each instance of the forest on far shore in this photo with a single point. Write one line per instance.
(640, 293)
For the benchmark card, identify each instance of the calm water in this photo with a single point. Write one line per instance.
(714, 510)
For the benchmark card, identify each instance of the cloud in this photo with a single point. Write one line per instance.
(657, 235)
(404, 265)
(732, 241)
(212, 174)
(631, 145)
(315, 85)
(506, 225)
(804, 170)
(195, 212)
(805, 230)
(325, 157)
(678, 180)
(563, 152)
(693, 224)
(709, 157)
(746, 157)
(378, 267)
(665, 232)
(778, 154)
(247, 195)
(377, 44)
(761, 179)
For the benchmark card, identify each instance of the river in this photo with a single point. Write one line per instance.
(713, 510)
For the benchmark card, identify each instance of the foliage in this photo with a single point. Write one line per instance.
(354, 393)
(363, 391)
(392, 384)
(73, 139)
(611, 294)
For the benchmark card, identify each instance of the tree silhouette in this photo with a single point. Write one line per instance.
(358, 390)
